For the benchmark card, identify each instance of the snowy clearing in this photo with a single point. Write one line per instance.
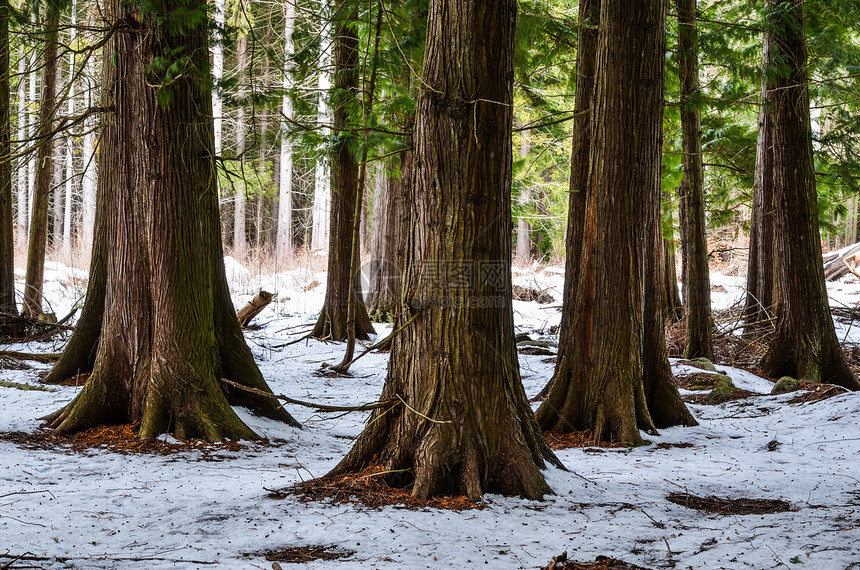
(102, 509)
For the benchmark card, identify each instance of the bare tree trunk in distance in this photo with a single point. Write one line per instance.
(320, 212)
(23, 186)
(240, 243)
(467, 428)
(332, 322)
(45, 167)
(613, 376)
(70, 142)
(524, 238)
(88, 178)
(805, 345)
(284, 247)
(7, 234)
(158, 363)
(697, 284)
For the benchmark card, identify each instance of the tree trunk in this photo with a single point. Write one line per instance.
(23, 186)
(700, 321)
(171, 332)
(45, 169)
(32, 124)
(320, 213)
(7, 234)
(524, 238)
(762, 287)
(218, 75)
(284, 247)
(332, 322)
(466, 428)
(805, 344)
(88, 179)
(613, 376)
(240, 243)
(673, 309)
(390, 231)
(70, 143)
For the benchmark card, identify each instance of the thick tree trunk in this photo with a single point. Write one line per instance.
(7, 234)
(171, 332)
(805, 345)
(697, 283)
(284, 247)
(613, 376)
(332, 322)
(44, 172)
(465, 428)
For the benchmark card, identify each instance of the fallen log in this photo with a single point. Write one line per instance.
(254, 307)
(840, 263)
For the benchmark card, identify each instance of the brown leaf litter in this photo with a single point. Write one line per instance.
(369, 488)
(576, 439)
(122, 439)
(561, 562)
(722, 506)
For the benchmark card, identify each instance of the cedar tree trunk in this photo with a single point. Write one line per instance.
(7, 245)
(466, 427)
(390, 234)
(332, 322)
(613, 376)
(44, 167)
(697, 284)
(171, 332)
(805, 345)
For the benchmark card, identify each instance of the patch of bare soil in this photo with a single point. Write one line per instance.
(123, 439)
(702, 399)
(305, 554)
(576, 439)
(815, 392)
(730, 506)
(561, 562)
(370, 489)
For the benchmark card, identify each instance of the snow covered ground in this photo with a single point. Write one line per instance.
(101, 509)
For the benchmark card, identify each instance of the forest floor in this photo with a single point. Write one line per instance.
(763, 482)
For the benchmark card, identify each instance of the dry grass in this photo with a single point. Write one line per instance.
(729, 506)
(370, 489)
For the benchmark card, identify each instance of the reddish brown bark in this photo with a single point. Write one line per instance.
(805, 345)
(613, 376)
(465, 426)
(332, 322)
(171, 332)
